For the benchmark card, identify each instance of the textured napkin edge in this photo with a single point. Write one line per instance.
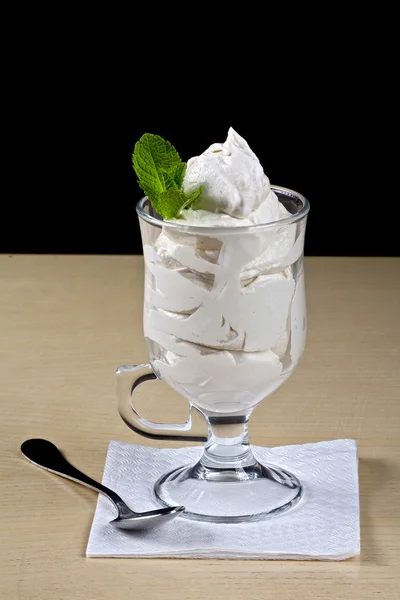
(235, 556)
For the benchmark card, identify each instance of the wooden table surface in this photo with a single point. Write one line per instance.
(66, 323)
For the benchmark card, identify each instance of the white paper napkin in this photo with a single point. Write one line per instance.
(323, 526)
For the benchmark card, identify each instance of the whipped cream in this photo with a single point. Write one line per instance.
(225, 315)
(236, 191)
(234, 184)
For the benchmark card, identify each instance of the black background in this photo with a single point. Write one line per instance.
(322, 131)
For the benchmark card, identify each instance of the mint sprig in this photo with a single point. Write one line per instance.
(160, 173)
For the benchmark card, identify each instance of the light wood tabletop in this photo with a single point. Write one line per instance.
(67, 322)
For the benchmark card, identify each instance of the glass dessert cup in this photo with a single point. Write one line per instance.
(225, 326)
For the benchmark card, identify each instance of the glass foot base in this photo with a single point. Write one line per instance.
(249, 493)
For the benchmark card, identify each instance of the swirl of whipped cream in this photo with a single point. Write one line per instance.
(234, 183)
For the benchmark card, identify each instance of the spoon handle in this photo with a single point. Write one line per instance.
(46, 455)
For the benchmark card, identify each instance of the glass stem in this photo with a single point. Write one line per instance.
(228, 445)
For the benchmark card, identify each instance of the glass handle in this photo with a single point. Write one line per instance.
(195, 429)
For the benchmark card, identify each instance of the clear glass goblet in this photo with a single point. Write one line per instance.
(225, 326)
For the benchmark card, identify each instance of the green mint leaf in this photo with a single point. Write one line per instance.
(170, 203)
(179, 174)
(194, 195)
(160, 173)
(190, 198)
(164, 155)
(150, 180)
(170, 183)
(153, 158)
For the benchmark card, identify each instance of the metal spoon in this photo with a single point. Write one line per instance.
(46, 455)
